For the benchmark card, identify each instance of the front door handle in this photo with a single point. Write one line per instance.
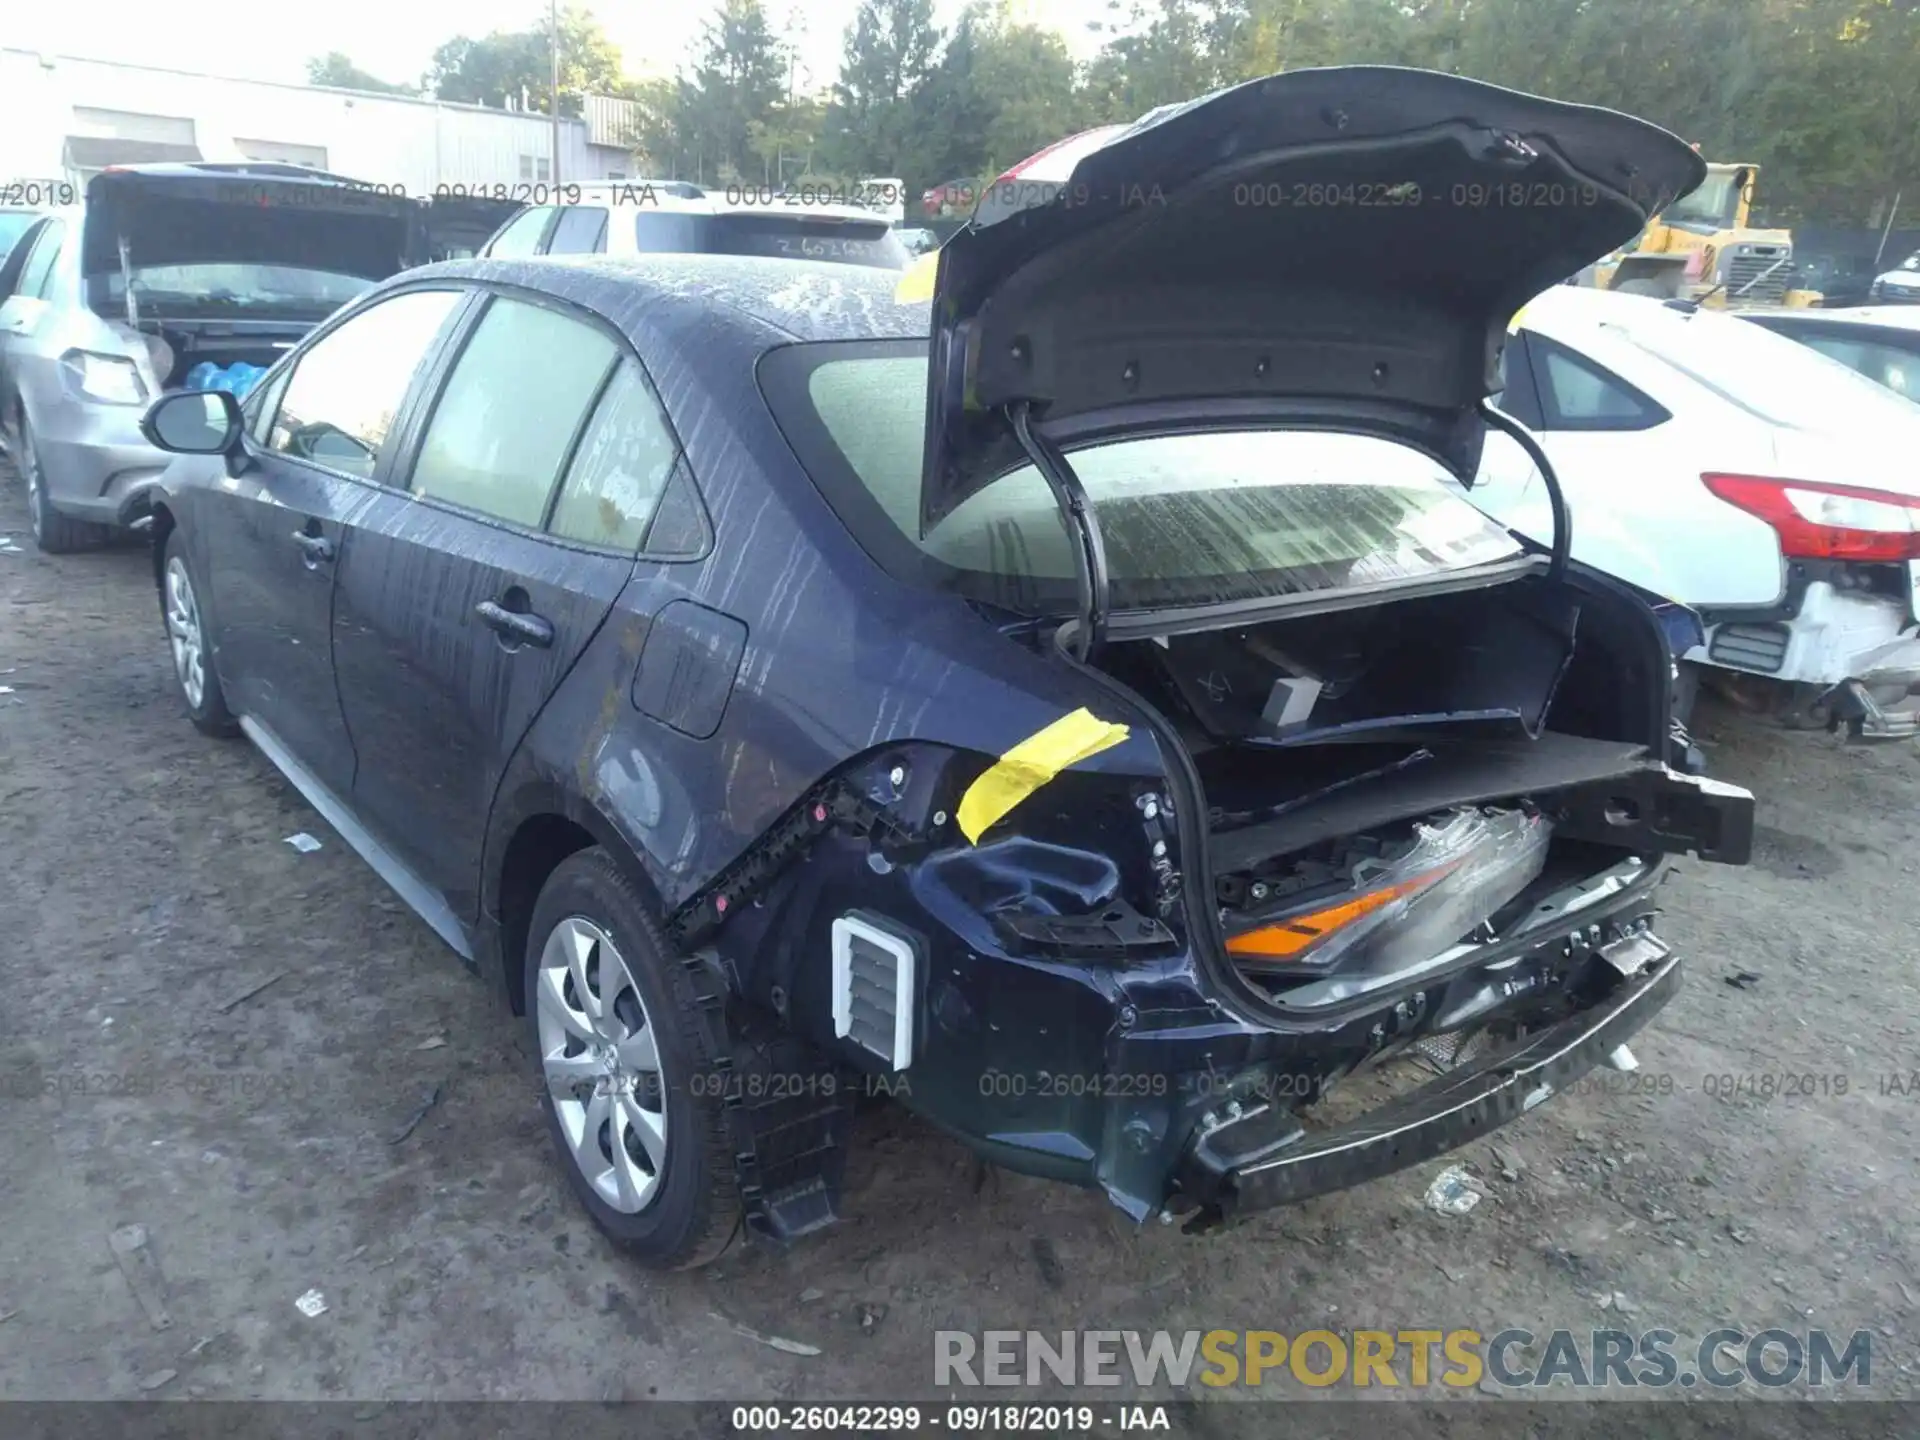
(315, 547)
(515, 626)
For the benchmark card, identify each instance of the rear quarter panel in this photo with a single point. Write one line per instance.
(840, 658)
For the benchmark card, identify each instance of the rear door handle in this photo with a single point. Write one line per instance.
(514, 625)
(315, 547)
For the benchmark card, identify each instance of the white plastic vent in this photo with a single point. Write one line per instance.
(873, 975)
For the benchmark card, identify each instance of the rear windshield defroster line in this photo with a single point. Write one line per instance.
(1190, 520)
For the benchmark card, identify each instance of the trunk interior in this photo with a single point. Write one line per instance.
(190, 349)
(1389, 785)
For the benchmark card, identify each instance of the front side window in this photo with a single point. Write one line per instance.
(1188, 519)
(261, 404)
(505, 422)
(346, 391)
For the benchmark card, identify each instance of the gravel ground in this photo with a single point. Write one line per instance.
(264, 1142)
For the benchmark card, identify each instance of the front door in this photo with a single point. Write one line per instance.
(463, 602)
(276, 533)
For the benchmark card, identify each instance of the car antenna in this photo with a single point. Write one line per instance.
(1090, 549)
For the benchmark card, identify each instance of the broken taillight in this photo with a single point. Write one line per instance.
(1460, 868)
(1827, 522)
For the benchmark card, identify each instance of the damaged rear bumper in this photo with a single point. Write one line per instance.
(1265, 1157)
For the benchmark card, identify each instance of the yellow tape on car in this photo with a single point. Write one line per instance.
(1031, 764)
(916, 281)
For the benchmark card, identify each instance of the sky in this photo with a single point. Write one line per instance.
(396, 41)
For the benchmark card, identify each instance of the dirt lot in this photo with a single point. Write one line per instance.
(260, 1143)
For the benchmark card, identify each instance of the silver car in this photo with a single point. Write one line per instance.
(164, 273)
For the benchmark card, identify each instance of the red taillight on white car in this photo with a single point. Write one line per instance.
(1827, 522)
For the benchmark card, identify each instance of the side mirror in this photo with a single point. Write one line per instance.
(193, 422)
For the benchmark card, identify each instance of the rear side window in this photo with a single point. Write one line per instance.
(1578, 395)
(620, 469)
(508, 415)
(346, 391)
(582, 230)
(522, 235)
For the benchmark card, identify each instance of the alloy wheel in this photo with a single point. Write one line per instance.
(602, 1065)
(184, 634)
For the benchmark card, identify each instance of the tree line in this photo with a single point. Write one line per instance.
(1824, 95)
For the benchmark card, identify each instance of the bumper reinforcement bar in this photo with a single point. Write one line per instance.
(1266, 1157)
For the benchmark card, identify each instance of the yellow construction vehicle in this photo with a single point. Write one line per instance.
(1703, 247)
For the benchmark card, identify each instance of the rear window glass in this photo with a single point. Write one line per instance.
(1187, 519)
(792, 237)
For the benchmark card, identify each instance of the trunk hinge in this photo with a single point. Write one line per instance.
(1083, 527)
(1556, 497)
(126, 283)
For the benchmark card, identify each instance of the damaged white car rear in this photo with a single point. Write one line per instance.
(1765, 485)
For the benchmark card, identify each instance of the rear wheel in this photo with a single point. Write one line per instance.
(632, 1094)
(187, 638)
(54, 533)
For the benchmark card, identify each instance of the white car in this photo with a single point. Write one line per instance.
(1772, 489)
(1898, 286)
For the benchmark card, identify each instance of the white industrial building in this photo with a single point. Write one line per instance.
(65, 118)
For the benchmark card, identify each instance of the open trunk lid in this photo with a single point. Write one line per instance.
(1338, 248)
(176, 215)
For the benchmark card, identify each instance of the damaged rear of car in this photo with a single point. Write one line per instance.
(1366, 776)
(1086, 709)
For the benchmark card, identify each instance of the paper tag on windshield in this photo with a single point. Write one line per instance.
(1291, 702)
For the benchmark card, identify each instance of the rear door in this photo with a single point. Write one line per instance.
(25, 320)
(466, 594)
(273, 536)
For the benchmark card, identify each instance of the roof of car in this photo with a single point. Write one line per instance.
(799, 299)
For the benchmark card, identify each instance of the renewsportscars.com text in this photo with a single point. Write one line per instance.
(1453, 1358)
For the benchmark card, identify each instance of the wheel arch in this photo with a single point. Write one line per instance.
(163, 526)
(535, 827)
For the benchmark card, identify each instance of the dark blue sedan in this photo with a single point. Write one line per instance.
(1087, 709)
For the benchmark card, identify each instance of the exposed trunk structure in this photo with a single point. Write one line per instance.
(1388, 790)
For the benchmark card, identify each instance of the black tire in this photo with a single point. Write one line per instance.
(695, 1210)
(209, 714)
(53, 533)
